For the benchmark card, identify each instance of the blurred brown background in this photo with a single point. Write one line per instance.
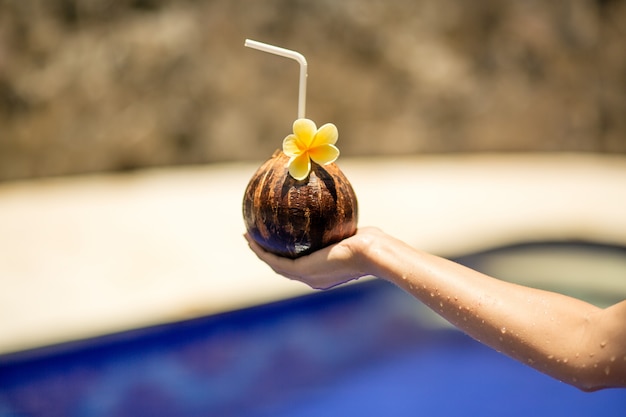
(102, 85)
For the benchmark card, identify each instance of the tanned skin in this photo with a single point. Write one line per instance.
(566, 338)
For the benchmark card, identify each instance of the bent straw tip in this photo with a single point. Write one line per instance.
(287, 53)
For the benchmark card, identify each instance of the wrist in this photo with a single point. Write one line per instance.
(367, 248)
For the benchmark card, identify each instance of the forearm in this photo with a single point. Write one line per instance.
(564, 337)
(548, 331)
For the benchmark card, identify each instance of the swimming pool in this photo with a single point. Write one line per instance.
(367, 349)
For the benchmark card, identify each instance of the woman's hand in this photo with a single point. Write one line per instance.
(328, 267)
(569, 339)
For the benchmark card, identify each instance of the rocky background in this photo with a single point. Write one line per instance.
(109, 85)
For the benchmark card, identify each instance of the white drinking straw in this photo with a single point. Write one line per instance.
(287, 54)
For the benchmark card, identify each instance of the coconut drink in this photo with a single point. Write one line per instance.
(299, 200)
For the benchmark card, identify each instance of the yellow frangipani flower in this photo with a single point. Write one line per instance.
(310, 143)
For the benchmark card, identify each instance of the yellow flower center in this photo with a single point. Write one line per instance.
(307, 143)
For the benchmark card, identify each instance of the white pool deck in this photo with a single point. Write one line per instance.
(85, 256)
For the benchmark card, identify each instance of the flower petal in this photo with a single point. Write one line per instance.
(324, 154)
(291, 146)
(299, 166)
(326, 135)
(305, 130)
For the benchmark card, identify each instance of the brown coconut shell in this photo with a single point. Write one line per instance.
(293, 218)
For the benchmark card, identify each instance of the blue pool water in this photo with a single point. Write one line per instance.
(367, 349)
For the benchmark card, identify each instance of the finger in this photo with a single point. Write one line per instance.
(256, 248)
(280, 265)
